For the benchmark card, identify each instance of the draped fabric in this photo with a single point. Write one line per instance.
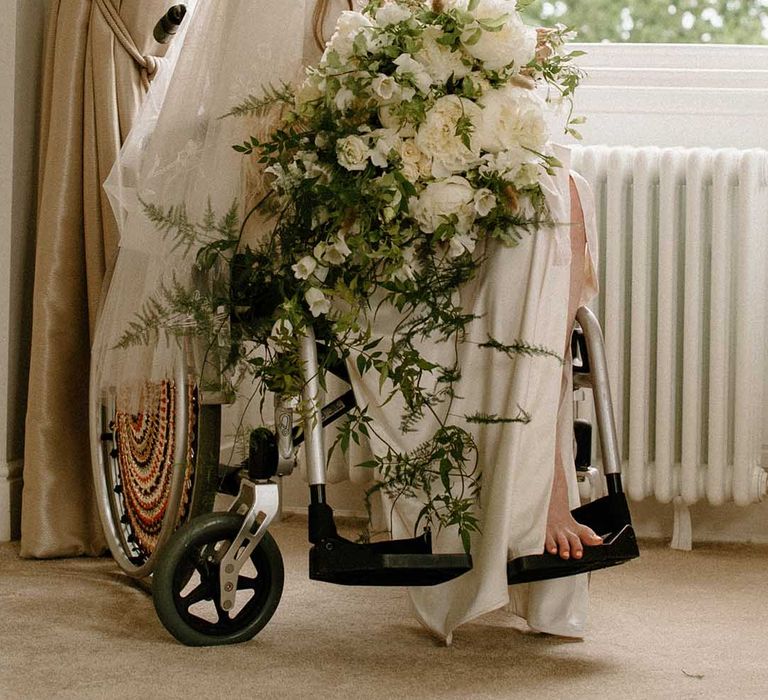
(99, 58)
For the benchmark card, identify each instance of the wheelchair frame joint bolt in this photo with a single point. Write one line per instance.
(226, 604)
(228, 587)
(229, 568)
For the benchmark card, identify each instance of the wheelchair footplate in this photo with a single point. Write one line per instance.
(407, 562)
(609, 518)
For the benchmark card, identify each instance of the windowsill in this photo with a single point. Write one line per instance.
(674, 94)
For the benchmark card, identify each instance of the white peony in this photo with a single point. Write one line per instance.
(392, 14)
(352, 153)
(484, 202)
(437, 135)
(441, 200)
(408, 67)
(438, 60)
(513, 43)
(317, 301)
(348, 27)
(511, 116)
(304, 268)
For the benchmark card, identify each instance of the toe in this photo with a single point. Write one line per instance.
(575, 545)
(550, 544)
(563, 545)
(588, 536)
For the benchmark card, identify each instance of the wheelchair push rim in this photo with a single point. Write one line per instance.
(156, 479)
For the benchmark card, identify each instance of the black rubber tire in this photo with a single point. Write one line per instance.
(184, 554)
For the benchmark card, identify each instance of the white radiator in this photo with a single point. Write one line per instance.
(684, 264)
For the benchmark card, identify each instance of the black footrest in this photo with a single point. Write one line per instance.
(609, 518)
(392, 563)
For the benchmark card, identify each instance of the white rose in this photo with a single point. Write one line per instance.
(352, 153)
(384, 87)
(441, 200)
(317, 301)
(438, 60)
(513, 43)
(408, 67)
(437, 135)
(392, 14)
(484, 202)
(415, 163)
(511, 116)
(304, 268)
(459, 244)
(348, 26)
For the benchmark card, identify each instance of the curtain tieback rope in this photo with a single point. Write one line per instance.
(148, 65)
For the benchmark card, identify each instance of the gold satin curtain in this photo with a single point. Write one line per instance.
(99, 58)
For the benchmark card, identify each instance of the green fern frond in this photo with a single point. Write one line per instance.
(259, 106)
(521, 347)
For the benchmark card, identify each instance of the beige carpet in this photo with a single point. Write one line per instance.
(671, 625)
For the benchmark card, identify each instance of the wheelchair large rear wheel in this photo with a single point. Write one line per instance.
(186, 587)
(154, 469)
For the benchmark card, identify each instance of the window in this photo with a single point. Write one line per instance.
(656, 21)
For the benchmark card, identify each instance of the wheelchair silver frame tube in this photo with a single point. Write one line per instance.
(598, 380)
(313, 424)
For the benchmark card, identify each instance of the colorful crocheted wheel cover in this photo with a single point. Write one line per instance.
(146, 443)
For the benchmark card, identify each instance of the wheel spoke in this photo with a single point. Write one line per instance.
(245, 583)
(201, 592)
(223, 614)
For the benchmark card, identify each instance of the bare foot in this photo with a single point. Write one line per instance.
(564, 534)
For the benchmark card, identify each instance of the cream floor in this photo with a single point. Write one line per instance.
(670, 625)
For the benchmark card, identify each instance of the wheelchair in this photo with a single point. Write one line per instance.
(217, 577)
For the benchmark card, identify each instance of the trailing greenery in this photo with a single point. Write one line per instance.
(411, 149)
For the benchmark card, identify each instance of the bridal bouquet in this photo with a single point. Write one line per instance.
(417, 137)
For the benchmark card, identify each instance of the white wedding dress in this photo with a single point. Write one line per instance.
(182, 153)
(519, 293)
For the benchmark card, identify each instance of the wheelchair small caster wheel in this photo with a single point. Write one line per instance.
(186, 587)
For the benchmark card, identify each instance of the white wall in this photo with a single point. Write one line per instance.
(21, 31)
